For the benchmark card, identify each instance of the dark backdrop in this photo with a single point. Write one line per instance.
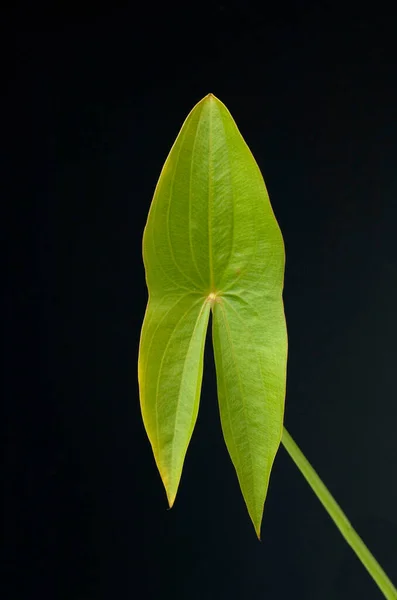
(95, 97)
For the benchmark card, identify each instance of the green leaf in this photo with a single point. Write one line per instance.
(212, 242)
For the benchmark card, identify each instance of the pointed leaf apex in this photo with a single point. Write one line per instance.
(211, 97)
(170, 491)
(257, 527)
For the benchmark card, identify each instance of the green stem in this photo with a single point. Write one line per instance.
(339, 518)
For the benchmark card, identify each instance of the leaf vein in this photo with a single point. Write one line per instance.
(205, 303)
(190, 203)
(150, 343)
(162, 363)
(184, 275)
(233, 354)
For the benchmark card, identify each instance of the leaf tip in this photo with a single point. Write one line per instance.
(210, 97)
(257, 523)
(171, 500)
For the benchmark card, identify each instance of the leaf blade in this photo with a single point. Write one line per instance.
(250, 373)
(177, 268)
(170, 374)
(249, 329)
(212, 240)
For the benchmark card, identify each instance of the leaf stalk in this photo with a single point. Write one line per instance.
(339, 518)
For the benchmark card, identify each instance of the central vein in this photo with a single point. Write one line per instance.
(210, 191)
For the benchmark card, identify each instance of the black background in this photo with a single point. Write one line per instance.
(95, 97)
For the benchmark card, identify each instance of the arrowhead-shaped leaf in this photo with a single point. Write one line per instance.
(212, 242)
